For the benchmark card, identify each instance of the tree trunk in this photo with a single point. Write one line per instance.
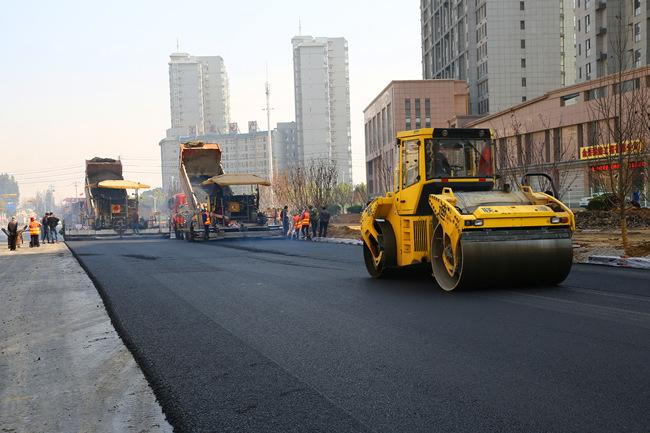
(622, 211)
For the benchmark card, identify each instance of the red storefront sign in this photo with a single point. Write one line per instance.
(605, 167)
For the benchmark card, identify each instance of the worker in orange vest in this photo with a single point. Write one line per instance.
(34, 232)
(206, 224)
(305, 225)
(296, 226)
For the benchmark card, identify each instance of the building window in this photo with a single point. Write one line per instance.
(523, 63)
(503, 153)
(637, 32)
(418, 123)
(520, 152)
(587, 23)
(529, 148)
(587, 47)
(427, 113)
(569, 99)
(522, 25)
(557, 144)
(579, 49)
(592, 133)
(523, 99)
(628, 85)
(637, 7)
(588, 71)
(522, 6)
(581, 137)
(389, 120)
(637, 58)
(523, 81)
(407, 112)
(522, 43)
(547, 145)
(596, 93)
(579, 28)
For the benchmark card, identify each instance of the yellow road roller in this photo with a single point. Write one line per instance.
(447, 213)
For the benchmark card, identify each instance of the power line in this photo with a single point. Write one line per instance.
(47, 170)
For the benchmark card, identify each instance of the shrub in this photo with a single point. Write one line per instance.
(334, 209)
(355, 208)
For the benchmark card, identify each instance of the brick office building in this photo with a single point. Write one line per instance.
(404, 105)
(563, 132)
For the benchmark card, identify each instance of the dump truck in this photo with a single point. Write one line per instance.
(205, 186)
(447, 214)
(106, 208)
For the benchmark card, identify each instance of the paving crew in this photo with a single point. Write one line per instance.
(305, 225)
(296, 226)
(284, 216)
(12, 233)
(45, 230)
(34, 232)
(206, 224)
(323, 223)
(52, 223)
(314, 220)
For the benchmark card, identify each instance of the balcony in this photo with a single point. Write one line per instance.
(601, 31)
(602, 56)
(601, 5)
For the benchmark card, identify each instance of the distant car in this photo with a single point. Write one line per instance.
(584, 201)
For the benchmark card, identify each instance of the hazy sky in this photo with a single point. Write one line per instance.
(86, 78)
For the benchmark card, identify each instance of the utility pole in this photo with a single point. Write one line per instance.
(269, 143)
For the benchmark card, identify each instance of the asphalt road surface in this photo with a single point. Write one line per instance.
(290, 336)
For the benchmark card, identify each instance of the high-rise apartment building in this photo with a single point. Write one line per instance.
(507, 50)
(608, 32)
(286, 152)
(198, 94)
(322, 98)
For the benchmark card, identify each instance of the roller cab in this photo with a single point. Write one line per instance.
(446, 213)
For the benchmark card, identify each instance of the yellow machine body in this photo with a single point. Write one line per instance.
(445, 212)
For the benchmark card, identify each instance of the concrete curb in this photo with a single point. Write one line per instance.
(624, 262)
(343, 241)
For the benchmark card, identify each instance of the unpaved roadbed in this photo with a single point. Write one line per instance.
(63, 367)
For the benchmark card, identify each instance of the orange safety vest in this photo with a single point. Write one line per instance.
(296, 221)
(305, 218)
(207, 221)
(34, 228)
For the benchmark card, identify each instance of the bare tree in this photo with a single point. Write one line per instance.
(344, 195)
(301, 186)
(360, 193)
(385, 172)
(622, 113)
(521, 151)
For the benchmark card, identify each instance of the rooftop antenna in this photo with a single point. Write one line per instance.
(178, 49)
(299, 27)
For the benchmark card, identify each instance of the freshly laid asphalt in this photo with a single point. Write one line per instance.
(291, 336)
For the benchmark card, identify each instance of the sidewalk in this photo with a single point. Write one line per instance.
(63, 367)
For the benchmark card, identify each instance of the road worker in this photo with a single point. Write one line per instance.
(306, 234)
(34, 232)
(206, 224)
(297, 222)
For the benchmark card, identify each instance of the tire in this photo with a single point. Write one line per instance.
(381, 267)
(443, 279)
